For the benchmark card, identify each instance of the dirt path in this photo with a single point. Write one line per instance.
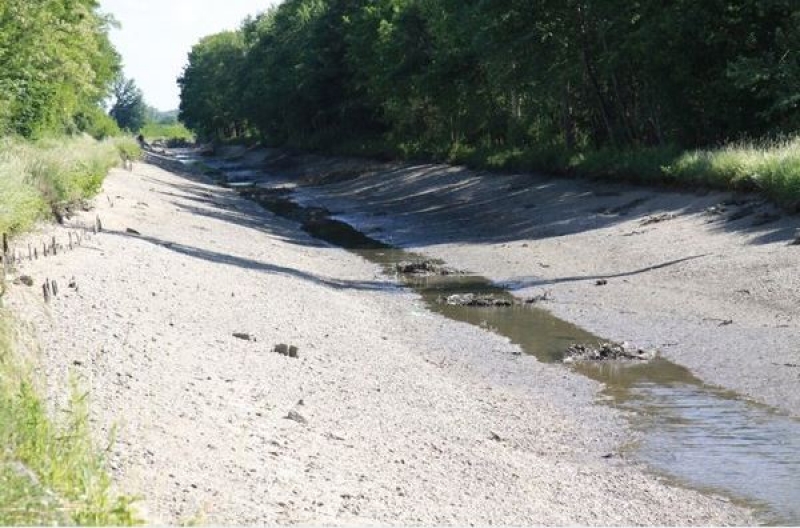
(398, 416)
(710, 279)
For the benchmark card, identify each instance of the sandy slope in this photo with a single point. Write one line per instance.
(708, 278)
(410, 418)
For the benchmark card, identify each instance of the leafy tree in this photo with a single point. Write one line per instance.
(129, 109)
(55, 62)
(501, 74)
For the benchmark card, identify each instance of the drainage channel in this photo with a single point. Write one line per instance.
(691, 433)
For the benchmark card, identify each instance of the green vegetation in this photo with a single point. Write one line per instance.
(38, 179)
(57, 65)
(637, 90)
(49, 470)
(129, 109)
(167, 131)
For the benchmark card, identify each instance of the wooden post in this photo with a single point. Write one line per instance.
(35, 254)
(5, 243)
(30, 252)
(46, 291)
(54, 288)
(54, 245)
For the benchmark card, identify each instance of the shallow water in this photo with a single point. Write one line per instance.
(697, 435)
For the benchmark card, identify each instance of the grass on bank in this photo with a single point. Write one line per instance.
(38, 177)
(771, 167)
(168, 132)
(50, 471)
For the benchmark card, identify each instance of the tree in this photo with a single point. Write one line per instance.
(56, 62)
(129, 109)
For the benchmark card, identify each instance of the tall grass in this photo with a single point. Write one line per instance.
(36, 178)
(167, 132)
(770, 167)
(50, 470)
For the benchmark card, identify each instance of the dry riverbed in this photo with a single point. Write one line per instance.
(710, 279)
(389, 414)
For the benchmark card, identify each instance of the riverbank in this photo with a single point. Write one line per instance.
(390, 414)
(706, 277)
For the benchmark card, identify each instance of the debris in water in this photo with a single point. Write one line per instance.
(423, 267)
(607, 352)
(471, 299)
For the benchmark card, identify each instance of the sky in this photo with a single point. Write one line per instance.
(157, 35)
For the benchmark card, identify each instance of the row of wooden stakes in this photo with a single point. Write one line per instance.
(11, 257)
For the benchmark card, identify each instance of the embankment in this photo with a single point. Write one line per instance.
(390, 414)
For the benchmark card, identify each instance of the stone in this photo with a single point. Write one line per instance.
(296, 417)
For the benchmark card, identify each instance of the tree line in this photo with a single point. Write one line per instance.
(433, 75)
(57, 66)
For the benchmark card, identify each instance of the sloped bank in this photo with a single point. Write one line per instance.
(707, 277)
(388, 415)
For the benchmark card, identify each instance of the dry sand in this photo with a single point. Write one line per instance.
(407, 418)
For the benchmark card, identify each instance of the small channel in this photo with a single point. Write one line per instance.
(692, 433)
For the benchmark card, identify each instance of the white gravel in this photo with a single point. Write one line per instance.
(411, 418)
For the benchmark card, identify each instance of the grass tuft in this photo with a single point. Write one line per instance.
(50, 470)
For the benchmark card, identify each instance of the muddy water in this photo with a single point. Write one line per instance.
(692, 433)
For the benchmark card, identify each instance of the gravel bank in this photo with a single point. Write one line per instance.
(708, 278)
(390, 415)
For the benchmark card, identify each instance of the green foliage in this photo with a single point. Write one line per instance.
(37, 178)
(501, 75)
(167, 131)
(603, 88)
(129, 109)
(55, 62)
(50, 471)
(211, 104)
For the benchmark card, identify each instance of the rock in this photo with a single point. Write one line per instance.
(423, 267)
(24, 279)
(607, 352)
(132, 231)
(494, 436)
(243, 336)
(601, 282)
(296, 417)
(472, 299)
(654, 219)
(546, 296)
(287, 350)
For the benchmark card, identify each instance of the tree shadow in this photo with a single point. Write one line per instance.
(252, 264)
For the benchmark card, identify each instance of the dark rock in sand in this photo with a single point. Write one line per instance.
(24, 279)
(296, 417)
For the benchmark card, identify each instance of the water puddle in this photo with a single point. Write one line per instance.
(698, 435)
